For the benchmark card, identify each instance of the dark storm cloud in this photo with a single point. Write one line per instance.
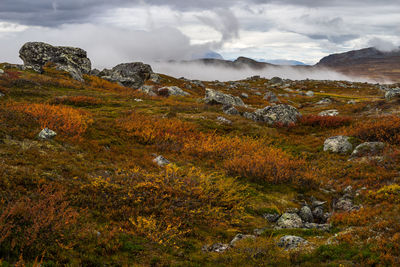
(57, 12)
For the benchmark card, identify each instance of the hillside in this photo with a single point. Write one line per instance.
(368, 62)
(166, 175)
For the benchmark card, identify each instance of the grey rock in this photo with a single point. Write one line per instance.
(224, 120)
(161, 161)
(1, 71)
(331, 113)
(148, 89)
(155, 78)
(318, 226)
(47, 134)
(276, 80)
(368, 149)
(392, 93)
(324, 101)
(172, 90)
(131, 75)
(1, 94)
(271, 97)
(218, 247)
(271, 217)
(244, 95)
(351, 102)
(282, 113)
(319, 214)
(259, 231)
(258, 93)
(345, 204)
(216, 97)
(95, 72)
(310, 93)
(289, 220)
(306, 215)
(72, 60)
(239, 237)
(250, 116)
(291, 242)
(338, 144)
(230, 110)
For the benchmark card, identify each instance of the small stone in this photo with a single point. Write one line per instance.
(310, 93)
(239, 237)
(305, 214)
(351, 102)
(271, 217)
(161, 161)
(47, 134)
(218, 247)
(291, 242)
(289, 220)
(331, 113)
(224, 120)
(338, 144)
(230, 110)
(138, 100)
(1, 71)
(244, 95)
(324, 101)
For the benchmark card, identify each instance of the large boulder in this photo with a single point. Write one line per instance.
(70, 59)
(338, 144)
(306, 215)
(131, 75)
(282, 114)
(216, 97)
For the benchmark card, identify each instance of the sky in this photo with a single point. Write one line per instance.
(115, 31)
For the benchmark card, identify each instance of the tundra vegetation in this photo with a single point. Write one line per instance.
(92, 195)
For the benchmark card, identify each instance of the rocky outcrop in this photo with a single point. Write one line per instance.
(161, 161)
(224, 120)
(338, 144)
(172, 91)
(330, 113)
(392, 93)
(278, 114)
(131, 75)
(215, 97)
(72, 60)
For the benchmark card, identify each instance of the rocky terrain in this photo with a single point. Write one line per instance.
(127, 167)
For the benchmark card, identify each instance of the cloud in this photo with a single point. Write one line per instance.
(383, 45)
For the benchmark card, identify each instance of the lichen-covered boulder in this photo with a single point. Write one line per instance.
(161, 161)
(70, 59)
(282, 114)
(216, 97)
(392, 93)
(368, 149)
(172, 91)
(131, 75)
(47, 134)
(338, 144)
(306, 215)
(289, 220)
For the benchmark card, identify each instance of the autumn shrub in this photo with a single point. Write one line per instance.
(325, 121)
(79, 101)
(166, 206)
(153, 130)
(383, 128)
(64, 120)
(36, 224)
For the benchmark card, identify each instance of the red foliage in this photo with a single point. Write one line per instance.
(325, 121)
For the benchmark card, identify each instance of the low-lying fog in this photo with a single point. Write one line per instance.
(200, 71)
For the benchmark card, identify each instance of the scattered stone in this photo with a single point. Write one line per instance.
(244, 95)
(271, 97)
(172, 90)
(155, 78)
(250, 116)
(131, 75)
(318, 226)
(230, 110)
(310, 93)
(368, 149)
(239, 237)
(351, 102)
(283, 114)
(47, 134)
(319, 214)
(1, 94)
(148, 89)
(289, 220)
(331, 113)
(291, 242)
(69, 59)
(224, 120)
(306, 215)
(161, 161)
(218, 247)
(1, 71)
(324, 101)
(259, 231)
(392, 93)
(271, 217)
(138, 100)
(216, 97)
(338, 144)
(258, 93)
(276, 80)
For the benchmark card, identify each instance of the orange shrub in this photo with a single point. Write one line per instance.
(153, 130)
(384, 128)
(36, 224)
(324, 121)
(81, 101)
(62, 119)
